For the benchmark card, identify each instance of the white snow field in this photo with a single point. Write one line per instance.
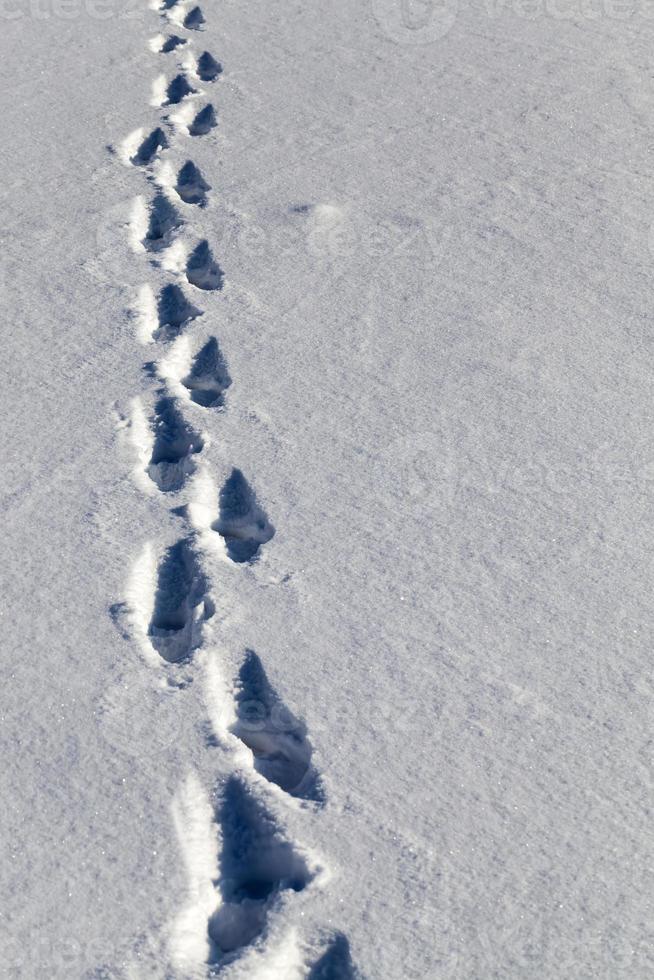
(327, 490)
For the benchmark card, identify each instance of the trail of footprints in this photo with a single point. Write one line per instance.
(257, 864)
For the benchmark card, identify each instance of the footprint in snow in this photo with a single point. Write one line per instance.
(336, 963)
(208, 69)
(180, 604)
(178, 89)
(209, 377)
(194, 20)
(151, 145)
(204, 122)
(174, 311)
(172, 43)
(191, 185)
(278, 741)
(174, 444)
(202, 270)
(257, 864)
(163, 222)
(242, 523)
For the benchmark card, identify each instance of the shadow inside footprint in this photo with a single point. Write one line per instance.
(204, 122)
(178, 89)
(241, 521)
(209, 377)
(181, 589)
(208, 68)
(336, 963)
(257, 863)
(191, 185)
(202, 270)
(149, 148)
(278, 741)
(174, 311)
(194, 20)
(172, 43)
(163, 223)
(175, 443)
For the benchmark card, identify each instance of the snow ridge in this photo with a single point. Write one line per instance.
(243, 870)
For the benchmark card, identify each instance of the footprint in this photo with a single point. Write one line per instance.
(194, 20)
(278, 741)
(174, 444)
(241, 522)
(172, 43)
(209, 378)
(204, 122)
(202, 270)
(336, 963)
(178, 89)
(149, 148)
(164, 222)
(180, 604)
(191, 185)
(208, 69)
(174, 311)
(257, 864)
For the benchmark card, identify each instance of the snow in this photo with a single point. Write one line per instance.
(379, 706)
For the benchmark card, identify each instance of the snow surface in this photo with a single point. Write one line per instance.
(327, 653)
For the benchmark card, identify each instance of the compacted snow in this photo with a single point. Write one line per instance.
(328, 490)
